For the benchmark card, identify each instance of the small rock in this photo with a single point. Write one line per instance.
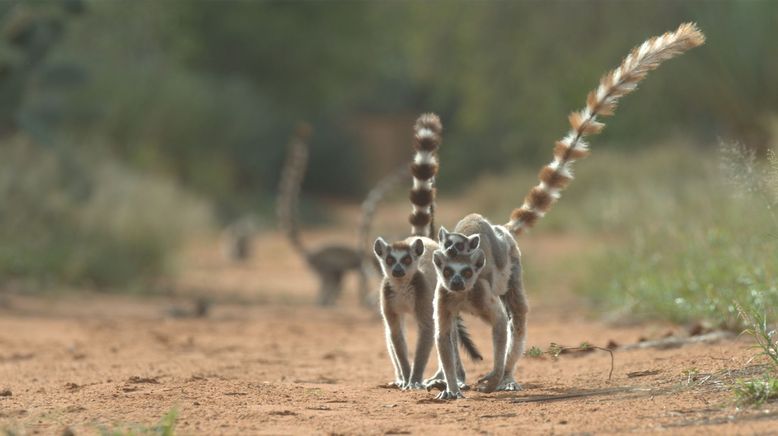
(5, 393)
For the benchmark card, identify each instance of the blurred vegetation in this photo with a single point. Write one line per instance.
(208, 92)
(134, 119)
(672, 232)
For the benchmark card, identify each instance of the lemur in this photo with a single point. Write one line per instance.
(408, 273)
(479, 265)
(237, 239)
(330, 262)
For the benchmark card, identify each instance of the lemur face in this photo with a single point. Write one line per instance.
(458, 274)
(398, 260)
(455, 244)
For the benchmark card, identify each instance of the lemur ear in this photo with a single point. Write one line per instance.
(442, 234)
(418, 247)
(437, 258)
(473, 241)
(380, 246)
(478, 258)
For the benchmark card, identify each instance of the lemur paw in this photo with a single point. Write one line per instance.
(448, 395)
(397, 384)
(463, 386)
(488, 383)
(437, 383)
(413, 386)
(509, 385)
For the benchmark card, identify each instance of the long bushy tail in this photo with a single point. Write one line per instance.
(373, 199)
(289, 188)
(466, 341)
(427, 138)
(601, 102)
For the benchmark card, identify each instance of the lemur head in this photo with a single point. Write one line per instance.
(458, 273)
(399, 259)
(455, 244)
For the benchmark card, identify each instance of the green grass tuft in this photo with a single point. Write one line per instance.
(165, 427)
(756, 392)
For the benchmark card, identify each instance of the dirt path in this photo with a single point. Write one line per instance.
(269, 363)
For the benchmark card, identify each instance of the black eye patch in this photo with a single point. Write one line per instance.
(447, 244)
(390, 260)
(467, 273)
(448, 272)
(460, 246)
(406, 260)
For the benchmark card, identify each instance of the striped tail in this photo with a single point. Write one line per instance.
(427, 138)
(289, 188)
(555, 176)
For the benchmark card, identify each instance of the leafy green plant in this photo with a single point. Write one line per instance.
(764, 336)
(534, 352)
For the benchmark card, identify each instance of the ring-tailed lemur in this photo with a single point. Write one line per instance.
(333, 261)
(409, 275)
(479, 266)
(237, 239)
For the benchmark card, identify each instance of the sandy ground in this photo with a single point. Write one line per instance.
(264, 361)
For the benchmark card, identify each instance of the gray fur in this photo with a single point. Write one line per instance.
(495, 294)
(408, 289)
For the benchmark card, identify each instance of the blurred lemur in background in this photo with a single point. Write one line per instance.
(237, 239)
(330, 262)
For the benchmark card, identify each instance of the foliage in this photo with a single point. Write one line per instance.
(765, 337)
(689, 249)
(757, 391)
(208, 92)
(87, 220)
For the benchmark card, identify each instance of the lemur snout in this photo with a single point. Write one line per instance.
(457, 284)
(398, 272)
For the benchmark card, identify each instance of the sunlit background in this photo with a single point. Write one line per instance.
(132, 131)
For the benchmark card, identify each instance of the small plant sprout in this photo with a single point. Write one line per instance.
(756, 392)
(756, 327)
(535, 352)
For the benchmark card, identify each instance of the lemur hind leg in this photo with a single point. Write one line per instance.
(515, 302)
(424, 344)
(438, 381)
(493, 311)
(364, 289)
(331, 283)
(396, 345)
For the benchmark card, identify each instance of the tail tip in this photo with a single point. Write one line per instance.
(429, 121)
(303, 130)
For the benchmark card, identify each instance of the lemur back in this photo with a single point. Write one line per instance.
(479, 266)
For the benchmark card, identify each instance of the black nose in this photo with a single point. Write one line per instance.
(397, 272)
(457, 284)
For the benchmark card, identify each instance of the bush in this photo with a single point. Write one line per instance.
(694, 244)
(78, 220)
